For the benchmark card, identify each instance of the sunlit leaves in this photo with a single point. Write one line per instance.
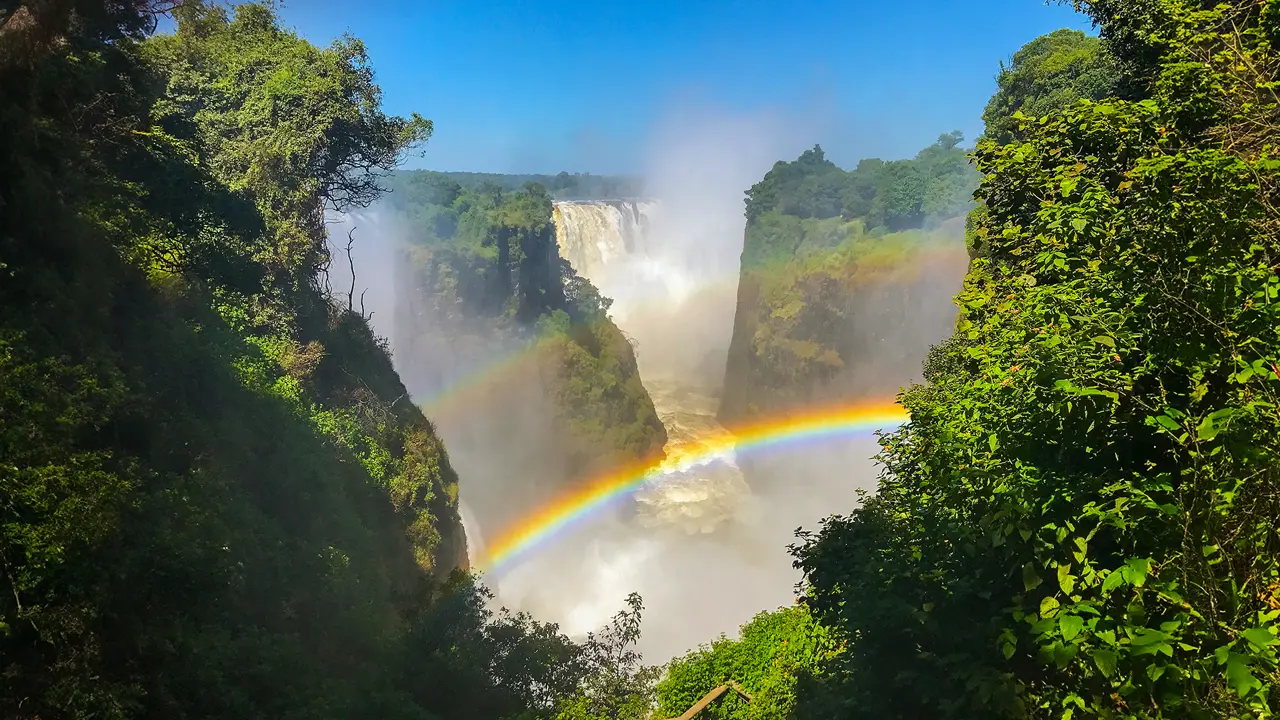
(1088, 480)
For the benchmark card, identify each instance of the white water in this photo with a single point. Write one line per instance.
(704, 551)
(674, 295)
(617, 245)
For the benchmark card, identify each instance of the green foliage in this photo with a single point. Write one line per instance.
(615, 684)
(813, 315)
(776, 655)
(820, 243)
(896, 195)
(215, 499)
(282, 120)
(830, 320)
(1078, 521)
(1048, 74)
(562, 186)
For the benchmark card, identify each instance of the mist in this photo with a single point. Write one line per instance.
(698, 163)
(707, 549)
(714, 551)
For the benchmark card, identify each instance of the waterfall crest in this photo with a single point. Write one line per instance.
(592, 235)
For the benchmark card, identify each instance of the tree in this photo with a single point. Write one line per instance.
(1077, 520)
(214, 499)
(617, 686)
(776, 655)
(1048, 74)
(287, 122)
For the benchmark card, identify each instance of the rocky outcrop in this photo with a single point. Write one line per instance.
(852, 322)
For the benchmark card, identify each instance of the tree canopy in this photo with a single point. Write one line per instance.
(215, 498)
(1078, 519)
(1048, 74)
(915, 193)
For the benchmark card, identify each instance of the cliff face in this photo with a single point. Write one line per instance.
(837, 325)
(511, 354)
(736, 397)
(846, 277)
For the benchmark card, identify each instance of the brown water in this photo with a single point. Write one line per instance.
(703, 488)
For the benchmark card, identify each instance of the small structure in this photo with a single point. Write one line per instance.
(712, 697)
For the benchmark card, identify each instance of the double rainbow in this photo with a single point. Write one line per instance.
(571, 509)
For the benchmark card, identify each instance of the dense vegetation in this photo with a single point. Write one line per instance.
(562, 186)
(775, 656)
(1079, 520)
(845, 276)
(214, 500)
(919, 192)
(1048, 74)
(850, 321)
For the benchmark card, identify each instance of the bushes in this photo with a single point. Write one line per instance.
(215, 499)
(777, 655)
(1076, 521)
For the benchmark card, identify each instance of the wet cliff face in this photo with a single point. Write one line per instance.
(837, 325)
(532, 387)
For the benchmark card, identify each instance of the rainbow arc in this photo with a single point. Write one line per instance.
(574, 508)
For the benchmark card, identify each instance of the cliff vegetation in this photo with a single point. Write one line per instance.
(483, 265)
(1078, 521)
(215, 500)
(847, 275)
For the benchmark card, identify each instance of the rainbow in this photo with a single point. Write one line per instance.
(569, 510)
(496, 371)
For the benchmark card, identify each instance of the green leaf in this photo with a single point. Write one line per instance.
(1106, 661)
(1143, 636)
(1215, 422)
(1065, 580)
(1079, 224)
(1115, 579)
(1261, 637)
(1105, 340)
(1049, 606)
(1138, 569)
(1030, 578)
(993, 442)
(1082, 548)
(1239, 676)
(1070, 625)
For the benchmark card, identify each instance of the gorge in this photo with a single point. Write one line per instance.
(671, 280)
(287, 431)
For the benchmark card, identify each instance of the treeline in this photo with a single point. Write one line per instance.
(215, 500)
(562, 186)
(882, 196)
(1078, 519)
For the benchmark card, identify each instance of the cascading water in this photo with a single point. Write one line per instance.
(671, 268)
(613, 244)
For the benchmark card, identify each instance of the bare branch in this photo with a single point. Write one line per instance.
(352, 264)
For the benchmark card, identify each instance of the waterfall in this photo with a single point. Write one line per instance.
(593, 235)
(618, 246)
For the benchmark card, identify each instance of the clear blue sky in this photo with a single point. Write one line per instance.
(548, 86)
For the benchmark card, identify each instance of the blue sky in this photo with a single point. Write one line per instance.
(548, 86)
